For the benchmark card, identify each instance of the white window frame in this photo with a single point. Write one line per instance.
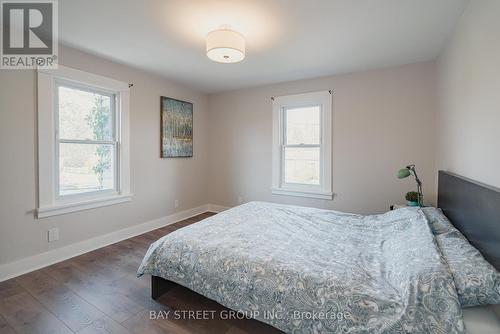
(323, 99)
(49, 201)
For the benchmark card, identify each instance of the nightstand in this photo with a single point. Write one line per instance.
(397, 206)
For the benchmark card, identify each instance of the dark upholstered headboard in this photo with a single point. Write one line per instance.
(474, 209)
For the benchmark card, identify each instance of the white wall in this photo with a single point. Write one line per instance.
(155, 182)
(382, 120)
(469, 95)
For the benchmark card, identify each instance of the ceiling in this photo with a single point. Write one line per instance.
(286, 39)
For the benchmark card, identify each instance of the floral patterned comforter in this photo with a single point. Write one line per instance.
(306, 270)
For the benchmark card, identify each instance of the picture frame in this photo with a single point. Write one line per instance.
(176, 127)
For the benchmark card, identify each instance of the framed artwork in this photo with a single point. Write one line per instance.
(176, 128)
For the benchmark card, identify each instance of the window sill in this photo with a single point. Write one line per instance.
(60, 209)
(317, 195)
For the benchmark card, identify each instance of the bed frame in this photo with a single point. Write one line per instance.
(473, 207)
(160, 285)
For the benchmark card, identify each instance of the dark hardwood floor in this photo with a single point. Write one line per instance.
(98, 292)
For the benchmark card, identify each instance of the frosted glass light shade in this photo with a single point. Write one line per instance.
(225, 46)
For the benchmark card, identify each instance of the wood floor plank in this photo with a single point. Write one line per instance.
(9, 288)
(5, 328)
(142, 324)
(253, 326)
(68, 274)
(37, 282)
(71, 309)
(138, 240)
(236, 330)
(68, 307)
(104, 325)
(122, 264)
(26, 315)
(96, 265)
(108, 300)
(139, 290)
(133, 247)
(101, 294)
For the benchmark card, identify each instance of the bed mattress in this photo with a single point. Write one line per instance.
(306, 270)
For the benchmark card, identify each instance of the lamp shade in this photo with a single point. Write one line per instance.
(403, 172)
(225, 46)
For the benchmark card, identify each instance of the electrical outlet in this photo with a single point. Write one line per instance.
(176, 203)
(53, 234)
(240, 199)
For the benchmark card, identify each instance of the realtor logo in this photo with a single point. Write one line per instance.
(29, 34)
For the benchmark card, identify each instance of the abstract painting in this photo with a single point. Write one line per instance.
(176, 128)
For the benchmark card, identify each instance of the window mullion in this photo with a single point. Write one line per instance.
(88, 141)
(302, 145)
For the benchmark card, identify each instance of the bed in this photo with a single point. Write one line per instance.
(305, 270)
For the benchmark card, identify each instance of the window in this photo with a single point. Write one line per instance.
(86, 140)
(302, 145)
(82, 141)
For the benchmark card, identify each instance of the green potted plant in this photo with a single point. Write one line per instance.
(412, 198)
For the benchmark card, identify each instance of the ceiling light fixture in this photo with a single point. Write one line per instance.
(225, 46)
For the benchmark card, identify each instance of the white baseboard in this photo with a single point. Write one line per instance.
(216, 208)
(28, 264)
